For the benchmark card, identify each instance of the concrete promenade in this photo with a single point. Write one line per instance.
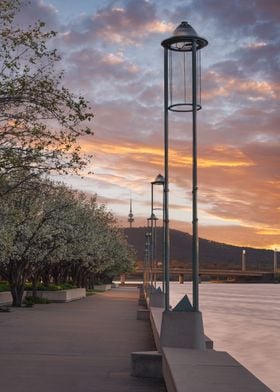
(81, 346)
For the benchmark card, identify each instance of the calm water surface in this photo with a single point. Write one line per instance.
(244, 320)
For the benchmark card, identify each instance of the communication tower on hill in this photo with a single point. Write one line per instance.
(130, 215)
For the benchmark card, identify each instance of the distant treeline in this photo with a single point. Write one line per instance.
(211, 254)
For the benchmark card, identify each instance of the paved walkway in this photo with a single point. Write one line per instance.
(82, 346)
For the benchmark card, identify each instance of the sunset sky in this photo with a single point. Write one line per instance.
(112, 55)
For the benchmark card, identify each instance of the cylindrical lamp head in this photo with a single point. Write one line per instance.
(152, 217)
(183, 39)
(159, 180)
(184, 69)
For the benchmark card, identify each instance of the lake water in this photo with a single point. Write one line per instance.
(244, 320)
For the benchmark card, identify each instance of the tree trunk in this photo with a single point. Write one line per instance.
(17, 291)
(75, 276)
(56, 276)
(46, 278)
(34, 286)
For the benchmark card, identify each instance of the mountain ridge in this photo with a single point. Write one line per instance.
(212, 254)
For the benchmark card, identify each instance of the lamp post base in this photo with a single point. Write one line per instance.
(157, 299)
(182, 330)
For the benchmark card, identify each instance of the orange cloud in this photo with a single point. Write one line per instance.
(238, 190)
(269, 231)
(239, 235)
(160, 27)
(176, 158)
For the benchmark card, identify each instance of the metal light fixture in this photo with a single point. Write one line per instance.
(243, 260)
(159, 180)
(152, 224)
(147, 262)
(182, 93)
(275, 267)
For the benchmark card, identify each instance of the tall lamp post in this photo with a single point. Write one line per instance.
(159, 180)
(152, 224)
(182, 94)
(243, 260)
(275, 268)
(147, 261)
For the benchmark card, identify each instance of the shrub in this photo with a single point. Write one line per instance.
(4, 286)
(68, 286)
(28, 286)
(51, 287)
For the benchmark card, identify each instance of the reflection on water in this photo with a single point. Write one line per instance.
(244, 320)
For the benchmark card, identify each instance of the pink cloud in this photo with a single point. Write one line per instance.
(126, 24)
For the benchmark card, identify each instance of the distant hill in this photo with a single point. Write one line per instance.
(211, 254)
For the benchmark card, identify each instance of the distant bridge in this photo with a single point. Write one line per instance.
(237, 275)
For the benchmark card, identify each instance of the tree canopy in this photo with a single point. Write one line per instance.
(52, 233)
(40, 119)
(48, 232)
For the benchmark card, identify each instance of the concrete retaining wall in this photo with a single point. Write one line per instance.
(61, 295)
(53, 296)
(209, 370)
(6, 298)
(199, 370)
(102, 287)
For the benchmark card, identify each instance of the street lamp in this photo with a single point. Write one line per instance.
(152, 224)
(159, 180)
(275, 268)
(244, 260)
(182, 93)
(147, 261)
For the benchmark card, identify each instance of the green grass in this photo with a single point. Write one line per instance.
(30, 301)
(90, 292)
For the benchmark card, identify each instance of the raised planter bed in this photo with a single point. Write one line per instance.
(6, 298)
(61, 295)
(102, 287)
(53, 296)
